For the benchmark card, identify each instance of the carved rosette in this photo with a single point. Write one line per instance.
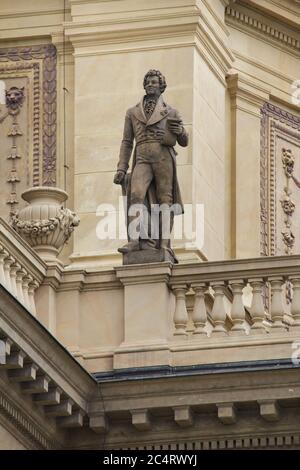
(45, 224)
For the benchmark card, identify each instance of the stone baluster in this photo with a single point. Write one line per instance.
(295, 307)
(33, 285)
(238, 314)
(218, 313)
(2, 273)
(180, 315)
(277, 311)
(9, 260)
(258, 313)
(19, 280)
(199, 315)
(27, 279)
(13, 278)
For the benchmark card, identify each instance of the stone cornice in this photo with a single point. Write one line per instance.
(28, 431)
(36, 365)
(144, 274)
(266, 68)
(31, 13)
(207, 393)
(280, 93)
(81, 280)
(246, 20)
(246, 94)
(194, 24)
(236, 269)
(287, 12)
(62, 44)
(127, 32)
(220, 21)
(139, 22)
(44, 349)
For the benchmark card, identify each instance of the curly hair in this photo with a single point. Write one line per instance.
(156, 73)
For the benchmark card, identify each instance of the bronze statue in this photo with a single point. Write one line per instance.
(156, 127)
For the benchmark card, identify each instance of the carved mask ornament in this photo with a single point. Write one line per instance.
(14, 99)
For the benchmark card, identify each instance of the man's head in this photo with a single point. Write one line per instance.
(154, 83)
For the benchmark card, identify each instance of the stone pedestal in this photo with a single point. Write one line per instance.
(147, 315)
(148, 256)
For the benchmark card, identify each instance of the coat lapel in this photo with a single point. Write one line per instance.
(161, 110)
(139, 112)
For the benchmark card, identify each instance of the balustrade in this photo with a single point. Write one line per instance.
(17, 280)
(21, 269)
(230, 314)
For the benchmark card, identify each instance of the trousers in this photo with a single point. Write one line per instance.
(153, 162)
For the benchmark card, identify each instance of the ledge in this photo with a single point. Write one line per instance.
(158, 372)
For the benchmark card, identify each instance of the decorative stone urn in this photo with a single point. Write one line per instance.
(45, 224)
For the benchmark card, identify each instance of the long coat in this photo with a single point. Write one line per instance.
(139, 128)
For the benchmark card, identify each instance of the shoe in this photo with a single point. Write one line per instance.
(148, 245)
(133, 245)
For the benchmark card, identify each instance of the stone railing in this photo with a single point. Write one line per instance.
(238, 297)
(21, 269)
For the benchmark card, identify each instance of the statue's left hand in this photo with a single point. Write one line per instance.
(176, 128)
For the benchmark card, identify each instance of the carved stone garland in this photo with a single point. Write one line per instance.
(14, 101)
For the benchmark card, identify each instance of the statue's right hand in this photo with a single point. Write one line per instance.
(119, 177)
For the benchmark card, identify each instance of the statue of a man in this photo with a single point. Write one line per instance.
(156, 127)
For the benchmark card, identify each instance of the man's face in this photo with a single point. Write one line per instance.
(152, 86)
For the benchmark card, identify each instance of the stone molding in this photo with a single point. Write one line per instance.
(286, 11)
(25, 426)
(159, 402)
(272, 120)
(246, 94)
(245, 20)
(257, 442)
(26, 338)
(132, 275)
(102, 279)
(179, 26)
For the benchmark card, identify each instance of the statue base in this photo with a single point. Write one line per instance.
(148, 256)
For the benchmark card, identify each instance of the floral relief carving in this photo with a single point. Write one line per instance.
(42, 60)
(45, 223)
(277, 123)
(288, 162)
(288, 206)
(66, 221)
(280, 132)
(289, 240)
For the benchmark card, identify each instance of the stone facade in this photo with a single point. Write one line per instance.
(197, 355)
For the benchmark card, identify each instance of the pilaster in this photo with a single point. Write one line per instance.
(247, 98)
